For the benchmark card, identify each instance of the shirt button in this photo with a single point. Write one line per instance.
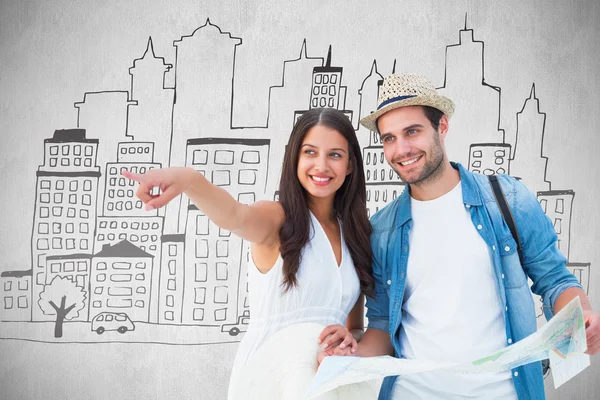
(507, 248)
(479, 227)
(493, 247)
(502, 276)
(506, 308)
(397, 305)
(389, 282)
(468, 206)
(509, 342)
(516, 373)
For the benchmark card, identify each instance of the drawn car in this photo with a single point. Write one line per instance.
(111, 321)
(240, 326)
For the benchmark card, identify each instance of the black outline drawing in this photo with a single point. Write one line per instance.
(174, 268)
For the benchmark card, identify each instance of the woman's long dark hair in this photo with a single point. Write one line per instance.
(350, 203)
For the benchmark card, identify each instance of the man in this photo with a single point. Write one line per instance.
(449, 283)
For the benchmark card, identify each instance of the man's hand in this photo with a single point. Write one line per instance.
(592, 331)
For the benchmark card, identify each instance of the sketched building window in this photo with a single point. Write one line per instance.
(221, 178)
(42, 244)
(221, 295)
(247, 177)
(7, 286)
(200, 295)
(22, 302)
(198, 314)
(201, 248)
(201, 272)
(43, 228)
(250, 157)
(222, 248)
(221, 271)
(200, 157)
(221, 314)
(224, 157)
(8, 303)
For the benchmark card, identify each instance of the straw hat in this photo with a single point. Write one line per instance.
(401, 90)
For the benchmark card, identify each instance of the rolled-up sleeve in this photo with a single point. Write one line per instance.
(544, 262)
(377, 306)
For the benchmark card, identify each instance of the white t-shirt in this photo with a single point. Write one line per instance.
(451, 310)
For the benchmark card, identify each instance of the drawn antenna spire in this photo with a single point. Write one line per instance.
(328, 63)
(394, 67)
(303, 49)
(150, 47)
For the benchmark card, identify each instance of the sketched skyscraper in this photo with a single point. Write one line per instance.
(122, 214)
(65, 206)
(215, 288)
(151, 118)
(327, 90)
(477, 115)
(529, 162)
(204, 64)
(383, 183)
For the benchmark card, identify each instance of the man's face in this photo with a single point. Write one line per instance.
(411, 145)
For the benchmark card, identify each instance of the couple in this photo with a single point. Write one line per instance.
(438, 266)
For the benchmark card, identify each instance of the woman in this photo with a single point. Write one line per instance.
(311, 254)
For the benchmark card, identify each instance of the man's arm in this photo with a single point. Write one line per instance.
(374, 343)
(592, 319)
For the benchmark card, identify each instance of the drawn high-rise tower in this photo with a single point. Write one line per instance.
(383, 183)
(529, 163)
(204, 63)
(65, 208)
(150, 119)
(477, 113)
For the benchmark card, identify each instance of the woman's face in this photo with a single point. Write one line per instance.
(323, 162)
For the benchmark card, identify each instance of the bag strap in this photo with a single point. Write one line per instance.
(506, 214)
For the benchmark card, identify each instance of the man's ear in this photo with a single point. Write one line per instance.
(443, 127)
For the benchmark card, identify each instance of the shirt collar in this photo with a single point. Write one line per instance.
(470, 193)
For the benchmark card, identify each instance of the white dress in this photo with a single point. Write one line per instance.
(325, 295)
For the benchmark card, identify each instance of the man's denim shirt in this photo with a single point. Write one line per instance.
(544, 264)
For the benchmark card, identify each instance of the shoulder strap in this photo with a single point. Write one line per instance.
(506, 214)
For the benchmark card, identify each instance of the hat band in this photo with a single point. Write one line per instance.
(395, 99)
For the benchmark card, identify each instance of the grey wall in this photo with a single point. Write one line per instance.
(524, 76)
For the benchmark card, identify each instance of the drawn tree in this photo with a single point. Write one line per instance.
(57, 292)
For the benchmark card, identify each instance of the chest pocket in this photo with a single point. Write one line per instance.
(512, 271)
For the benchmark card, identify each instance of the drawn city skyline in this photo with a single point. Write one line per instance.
(174, 267)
